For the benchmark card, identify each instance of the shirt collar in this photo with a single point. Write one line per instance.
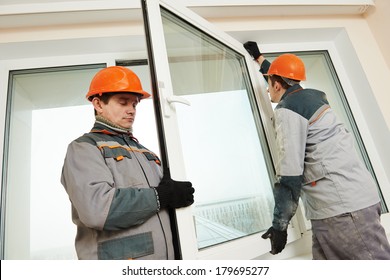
(105, 126)
(291, 90)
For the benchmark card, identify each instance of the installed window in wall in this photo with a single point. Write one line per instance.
(46, 110)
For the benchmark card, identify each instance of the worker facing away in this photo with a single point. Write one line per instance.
(119, 196)
(318, 162)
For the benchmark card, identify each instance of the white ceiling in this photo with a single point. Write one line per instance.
(17, 16)
(19, 13)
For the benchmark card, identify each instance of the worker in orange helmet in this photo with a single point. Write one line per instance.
(318, 162)
(119, 196)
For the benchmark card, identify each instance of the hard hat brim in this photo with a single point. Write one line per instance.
(142, 94)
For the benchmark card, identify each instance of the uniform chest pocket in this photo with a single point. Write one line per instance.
(152, 157)
(116, 152)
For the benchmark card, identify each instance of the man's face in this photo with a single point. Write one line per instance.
(273, 91)
(120, 109)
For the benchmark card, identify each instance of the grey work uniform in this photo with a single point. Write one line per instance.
(108, 176)
(318, 162)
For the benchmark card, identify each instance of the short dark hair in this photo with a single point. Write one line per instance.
(105, 98)
(276, 78)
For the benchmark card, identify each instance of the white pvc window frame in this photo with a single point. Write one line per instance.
(248, 247)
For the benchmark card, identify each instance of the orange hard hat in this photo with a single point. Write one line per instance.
(115, 79)
(288, 66)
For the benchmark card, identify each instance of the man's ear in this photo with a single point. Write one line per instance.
(277, 86)
(97, 104)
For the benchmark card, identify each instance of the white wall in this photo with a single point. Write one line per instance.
(379, 21)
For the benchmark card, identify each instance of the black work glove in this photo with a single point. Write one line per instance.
(278, 239)
(252, 49)
(175, 194)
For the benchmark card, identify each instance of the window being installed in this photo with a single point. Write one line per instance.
(223, 144)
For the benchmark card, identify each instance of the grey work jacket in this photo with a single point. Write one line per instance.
(316, 160)
(108, 176)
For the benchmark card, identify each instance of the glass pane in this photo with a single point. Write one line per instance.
(222, 139)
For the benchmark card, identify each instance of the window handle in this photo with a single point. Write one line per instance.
(178, 99)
